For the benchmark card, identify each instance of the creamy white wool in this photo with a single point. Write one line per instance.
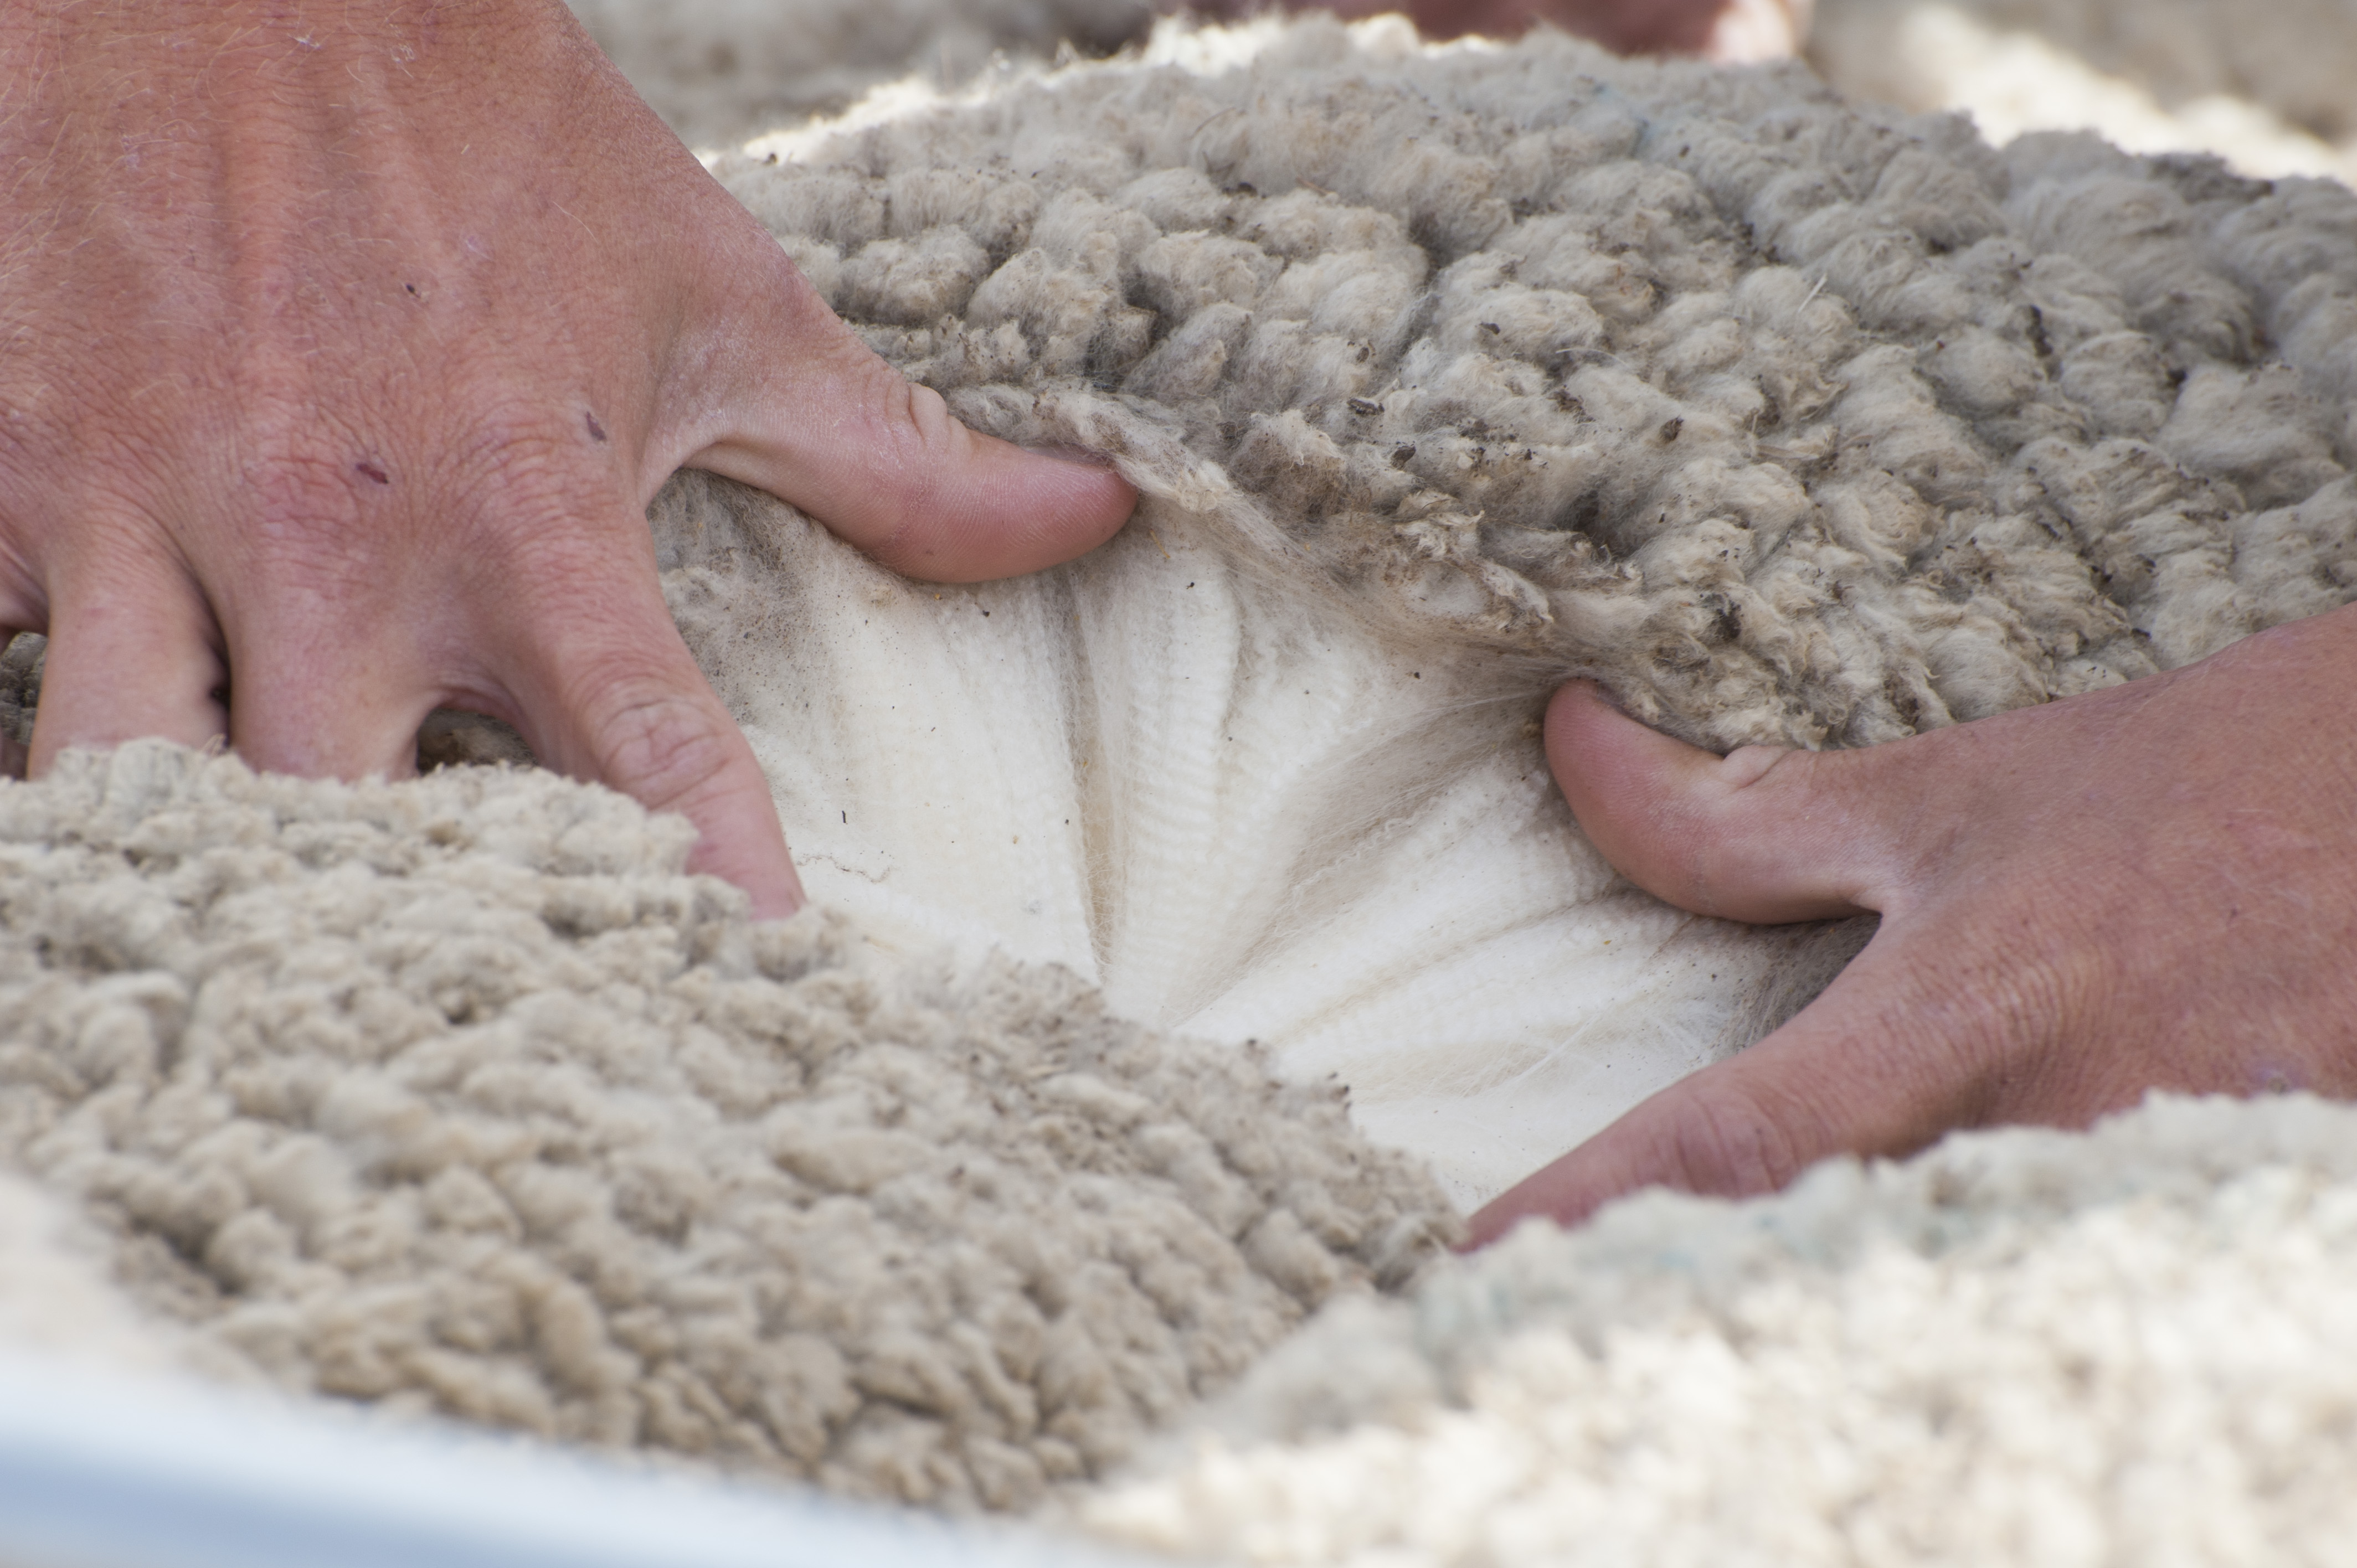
(57, 1298)
(456, 1095)
(1220, 798)
(2023, 1347)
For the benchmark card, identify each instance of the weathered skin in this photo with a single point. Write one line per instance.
(2153, 886)
(347, 341)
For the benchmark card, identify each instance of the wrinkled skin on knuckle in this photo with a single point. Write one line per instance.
(915, 452)
(1725, 1145)
(665, 745)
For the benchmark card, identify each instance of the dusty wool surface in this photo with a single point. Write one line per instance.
(457, 1095)
(2023, 1347)
(721, 71)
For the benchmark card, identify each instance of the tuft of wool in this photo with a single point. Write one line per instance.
(2022, 1347)
(457, 1095)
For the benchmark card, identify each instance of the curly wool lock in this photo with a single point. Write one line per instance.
(1792, 423)
(458, 1096)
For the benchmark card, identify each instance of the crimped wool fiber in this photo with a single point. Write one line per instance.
(1446, 374)
(458, 1096)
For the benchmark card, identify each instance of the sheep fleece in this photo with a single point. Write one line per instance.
(457, 1095)
(1793, 422)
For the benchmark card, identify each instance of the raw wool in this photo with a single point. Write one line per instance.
(2022, 1347)
(2264, 87)
(457, 1095)
(1790, 423)
(1796, 424)
(1218, 797)
(722, 71)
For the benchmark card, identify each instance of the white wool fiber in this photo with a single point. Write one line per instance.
(2024, 1346)
(1219, 798)
(456, 1095)
(57, 1298)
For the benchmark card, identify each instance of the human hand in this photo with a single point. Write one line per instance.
(345, 346)
(2153, 886)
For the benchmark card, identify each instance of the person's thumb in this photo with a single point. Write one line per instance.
(1891, 1056)
(1877, 1064)
(816, 418)
(1762, 834)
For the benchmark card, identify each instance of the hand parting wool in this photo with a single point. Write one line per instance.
(1446, 374)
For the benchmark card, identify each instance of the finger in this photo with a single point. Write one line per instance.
(1880, 1065)
(1763, 834)
(817, 419)
(325, 703)
(131, 655)
(605, 690)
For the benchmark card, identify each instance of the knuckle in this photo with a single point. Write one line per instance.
(1730, 1145)
(662, 745)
